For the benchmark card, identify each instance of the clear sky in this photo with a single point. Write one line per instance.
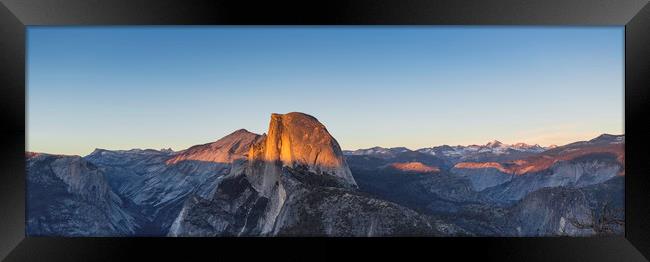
(160, 87)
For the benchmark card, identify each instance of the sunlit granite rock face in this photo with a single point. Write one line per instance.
(415, 167)
(297, 139)
(225, 150)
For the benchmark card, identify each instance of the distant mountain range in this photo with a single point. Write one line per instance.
(493, 149)
(296, 181)
(505, 193)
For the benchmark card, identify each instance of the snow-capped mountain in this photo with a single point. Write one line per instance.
(493, 149)
(377, 151)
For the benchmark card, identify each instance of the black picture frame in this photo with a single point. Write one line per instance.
(15, 15)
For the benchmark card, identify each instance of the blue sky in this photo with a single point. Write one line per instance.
(160, 87)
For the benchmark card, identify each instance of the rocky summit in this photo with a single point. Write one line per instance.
(298, 140)
(226, 150)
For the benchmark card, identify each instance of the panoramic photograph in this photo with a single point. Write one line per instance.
(325, 131)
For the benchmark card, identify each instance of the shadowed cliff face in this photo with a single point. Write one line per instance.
(155, 184)
(297, 139)
(68, 196)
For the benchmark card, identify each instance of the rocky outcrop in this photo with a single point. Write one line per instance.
(309, 205)
(326, 211)
(565, 211)
(235, 209)
(159, 182)
(68, 196)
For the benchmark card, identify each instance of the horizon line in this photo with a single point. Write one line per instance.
(342, 149)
